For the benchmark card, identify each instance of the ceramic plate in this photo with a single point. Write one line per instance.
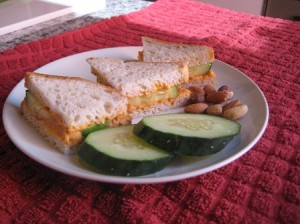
(34, 146)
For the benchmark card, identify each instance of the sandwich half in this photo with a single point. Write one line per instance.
(60, 108)
(198, 57)
(149, 87)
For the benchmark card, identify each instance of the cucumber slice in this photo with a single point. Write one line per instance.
(117, 151)
(199, 69)
(93, 128)
(187, 134)
(154, 97)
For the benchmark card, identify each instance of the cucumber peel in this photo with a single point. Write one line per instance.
(187, 134)
(96, 127)
(200, 69)
(117, 151)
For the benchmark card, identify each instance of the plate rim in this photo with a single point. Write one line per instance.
(140, 179)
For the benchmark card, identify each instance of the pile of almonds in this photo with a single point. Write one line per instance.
(211, 101)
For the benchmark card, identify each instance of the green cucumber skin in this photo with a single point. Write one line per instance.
(200, 69)
(179, 145)
(93, 128)
(118, 167)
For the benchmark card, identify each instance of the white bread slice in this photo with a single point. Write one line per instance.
(136, 78)
(70, 104)
(155, 50)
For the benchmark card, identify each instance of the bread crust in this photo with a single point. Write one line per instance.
(207, 54)
(62, 78)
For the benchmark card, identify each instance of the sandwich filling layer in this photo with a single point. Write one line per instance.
(61, 107)
(200, 69)
(199, 58)
(53, 124)
(50, 121)
(151, 99)
(145, 84)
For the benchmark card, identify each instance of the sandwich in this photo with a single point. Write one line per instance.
(60, 108)
(149, 87)
(198, 57)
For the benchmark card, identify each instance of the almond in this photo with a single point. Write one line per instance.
(197, 89)
(218, 97)
(209, 89)
(215, 109)
(236, 112)
(196, 108)
(196, 98)
(231, 104)
(225, 87)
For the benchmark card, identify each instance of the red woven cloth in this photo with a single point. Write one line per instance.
(263, 186)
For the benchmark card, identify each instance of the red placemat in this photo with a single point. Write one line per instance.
(263, 186)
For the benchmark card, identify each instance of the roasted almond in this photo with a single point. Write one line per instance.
(197, 89)
(196, 98)
(215, 109)
(231, 104)
(236, 112)
(218, 97)
(196, 108)
(209, 89)
(224, 87)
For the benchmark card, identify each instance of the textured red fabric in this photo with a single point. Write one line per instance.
(263, 186)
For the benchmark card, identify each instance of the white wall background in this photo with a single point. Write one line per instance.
(255, 7)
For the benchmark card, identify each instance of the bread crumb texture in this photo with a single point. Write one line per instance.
(78, 101)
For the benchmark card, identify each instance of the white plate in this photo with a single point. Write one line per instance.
(31, 143)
